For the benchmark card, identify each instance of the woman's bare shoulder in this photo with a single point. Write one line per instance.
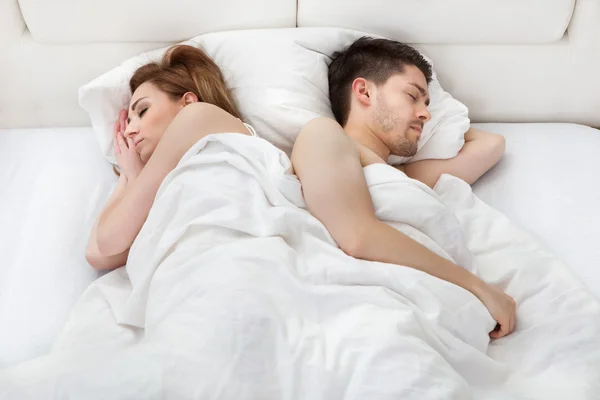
(197, 120)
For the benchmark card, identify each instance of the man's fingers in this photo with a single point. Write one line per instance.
(502, 329)
(505, 328)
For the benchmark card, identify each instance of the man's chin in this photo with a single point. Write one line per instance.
(415, 148)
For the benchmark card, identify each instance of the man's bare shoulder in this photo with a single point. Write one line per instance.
(322, 130)
(367, 156)
(323, 137)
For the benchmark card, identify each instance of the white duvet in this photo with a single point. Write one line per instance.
(234, 291)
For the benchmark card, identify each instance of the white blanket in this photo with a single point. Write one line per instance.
(234, 291)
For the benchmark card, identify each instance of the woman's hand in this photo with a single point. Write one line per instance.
(128, 159)
(501, 306)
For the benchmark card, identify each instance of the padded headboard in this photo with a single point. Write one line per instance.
(520, 61)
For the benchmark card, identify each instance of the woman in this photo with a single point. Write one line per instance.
(175, 102)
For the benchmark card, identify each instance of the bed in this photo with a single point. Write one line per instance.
(534, 86)
(51, 209)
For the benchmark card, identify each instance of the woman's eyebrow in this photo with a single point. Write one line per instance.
(134, 105)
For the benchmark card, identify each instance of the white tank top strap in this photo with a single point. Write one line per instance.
(251, 129)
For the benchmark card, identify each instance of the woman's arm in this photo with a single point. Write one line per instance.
(481, 151)
(195, 121)
(92, 254)
(335, 190)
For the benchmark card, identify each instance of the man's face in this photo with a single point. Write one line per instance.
(399, 111)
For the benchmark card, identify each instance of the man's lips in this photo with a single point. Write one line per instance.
(417, 128)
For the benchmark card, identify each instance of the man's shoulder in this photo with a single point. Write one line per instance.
(367, 156)
(325, 134)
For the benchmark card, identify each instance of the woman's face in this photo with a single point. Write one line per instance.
(150, 112)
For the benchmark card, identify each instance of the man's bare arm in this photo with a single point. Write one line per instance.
(335, 190)
(328, 165)
(481, 151)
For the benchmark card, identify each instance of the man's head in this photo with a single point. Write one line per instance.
(381, 84)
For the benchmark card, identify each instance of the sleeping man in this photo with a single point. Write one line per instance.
(379, 96)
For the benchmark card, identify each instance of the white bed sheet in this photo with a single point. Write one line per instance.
(547, 182)
(55, 181)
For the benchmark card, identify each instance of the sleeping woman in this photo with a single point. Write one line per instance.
(175, 102)
(183, 98)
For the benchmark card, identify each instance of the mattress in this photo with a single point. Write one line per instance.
(547, 182)
(56, 181)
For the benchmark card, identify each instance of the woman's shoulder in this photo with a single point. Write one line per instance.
(250, 128)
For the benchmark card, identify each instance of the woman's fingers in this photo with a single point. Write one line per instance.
(115, 137)
(118, 130)
(122, 120)
(129, 143)
(122, 142)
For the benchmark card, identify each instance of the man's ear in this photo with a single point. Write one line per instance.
(189, 98)
(361, 90)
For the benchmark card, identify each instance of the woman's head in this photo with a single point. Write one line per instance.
(161, 89)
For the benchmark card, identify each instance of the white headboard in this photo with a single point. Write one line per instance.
(522, 61)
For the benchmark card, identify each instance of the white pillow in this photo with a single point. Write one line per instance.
(279, 79)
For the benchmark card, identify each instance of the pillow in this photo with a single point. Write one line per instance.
(279, 80)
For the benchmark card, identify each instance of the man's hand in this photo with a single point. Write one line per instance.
(501, 307)
(328, 164)
(481, 151)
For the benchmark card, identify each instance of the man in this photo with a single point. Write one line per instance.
(378, 91)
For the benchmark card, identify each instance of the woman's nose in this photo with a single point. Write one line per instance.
(131, 131)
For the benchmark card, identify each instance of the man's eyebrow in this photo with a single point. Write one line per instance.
(133, 107)
(423, 92)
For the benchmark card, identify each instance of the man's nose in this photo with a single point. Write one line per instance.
(424, 115)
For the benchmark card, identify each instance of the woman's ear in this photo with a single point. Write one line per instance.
(189, 98)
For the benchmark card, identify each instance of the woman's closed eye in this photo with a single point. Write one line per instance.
(413, 97)
(143, 112)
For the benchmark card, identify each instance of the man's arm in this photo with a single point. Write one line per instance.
(335, 190)
(481, 151)
(328, 165)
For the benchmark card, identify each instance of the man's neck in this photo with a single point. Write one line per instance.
(364, 136)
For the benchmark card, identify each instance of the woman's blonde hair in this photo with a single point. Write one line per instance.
(185, 69)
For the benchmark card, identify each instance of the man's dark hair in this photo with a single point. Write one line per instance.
(373, 59)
